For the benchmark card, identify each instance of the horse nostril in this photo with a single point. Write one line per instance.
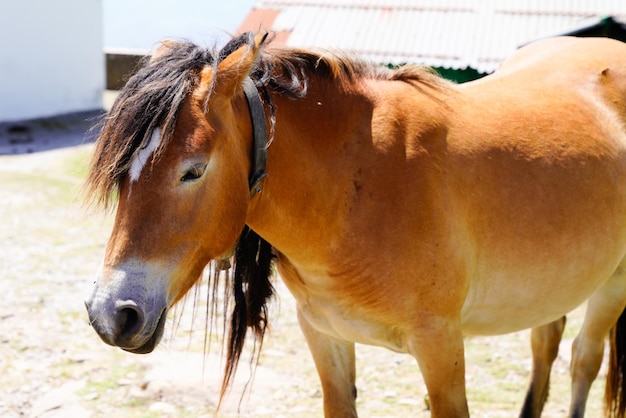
(129, 318)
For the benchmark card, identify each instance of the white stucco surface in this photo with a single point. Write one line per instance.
(51, 58)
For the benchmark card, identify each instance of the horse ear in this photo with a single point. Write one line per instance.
(164, 46)
(235, 67)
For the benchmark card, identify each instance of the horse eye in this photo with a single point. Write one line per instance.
(194, 173)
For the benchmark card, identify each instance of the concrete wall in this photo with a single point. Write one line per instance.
(51, 59)
(121, 64)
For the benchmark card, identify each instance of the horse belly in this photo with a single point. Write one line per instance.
(541, 222)
(347, 324)
(333, 312)
(510, 300)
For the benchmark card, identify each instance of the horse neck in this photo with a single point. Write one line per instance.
(310, 168)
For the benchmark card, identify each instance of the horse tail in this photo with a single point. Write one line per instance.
(251, 289)
(615, 391)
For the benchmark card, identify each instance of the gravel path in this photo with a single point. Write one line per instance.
(52, 364)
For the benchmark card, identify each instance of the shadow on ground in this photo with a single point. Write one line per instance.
(47, 134)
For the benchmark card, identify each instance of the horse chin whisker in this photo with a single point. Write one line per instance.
(177, 311)
(213, 287)
(209, 315)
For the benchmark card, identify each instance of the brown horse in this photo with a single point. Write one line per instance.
(403, 211)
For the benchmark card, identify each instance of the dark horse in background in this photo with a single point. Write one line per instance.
(402, 211)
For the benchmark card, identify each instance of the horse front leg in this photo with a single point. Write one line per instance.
(439, 349)
(544, 341)
(334, 360)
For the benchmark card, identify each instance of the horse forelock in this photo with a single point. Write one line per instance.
(150, 100)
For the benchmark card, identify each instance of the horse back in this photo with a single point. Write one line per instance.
(595, 67)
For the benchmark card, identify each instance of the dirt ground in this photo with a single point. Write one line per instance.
(52, 364)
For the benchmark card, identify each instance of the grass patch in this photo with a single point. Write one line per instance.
(77, 163)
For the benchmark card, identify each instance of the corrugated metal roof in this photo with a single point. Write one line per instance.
(452, 34)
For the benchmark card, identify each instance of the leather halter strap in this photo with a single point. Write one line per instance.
(259, 154)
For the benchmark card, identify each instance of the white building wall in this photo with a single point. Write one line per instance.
(51, 57)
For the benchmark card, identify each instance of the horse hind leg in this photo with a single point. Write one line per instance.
(604, 308)
(544, 341)
(615, 393)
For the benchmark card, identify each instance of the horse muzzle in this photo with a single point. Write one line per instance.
(125, 315)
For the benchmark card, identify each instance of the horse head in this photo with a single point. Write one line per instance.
(176, 150)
